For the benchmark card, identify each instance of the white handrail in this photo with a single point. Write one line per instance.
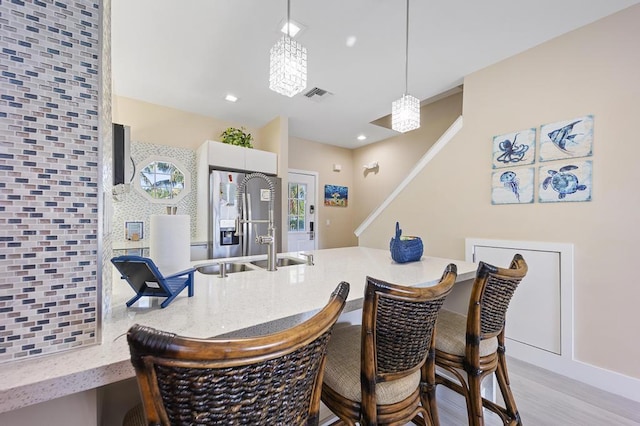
(426, 158)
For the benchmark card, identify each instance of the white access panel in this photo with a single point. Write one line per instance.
(534, 315)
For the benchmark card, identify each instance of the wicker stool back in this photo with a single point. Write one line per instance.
(266, 380)
(471, 348)
(373, 371)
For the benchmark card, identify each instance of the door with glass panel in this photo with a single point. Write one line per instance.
(302, 211)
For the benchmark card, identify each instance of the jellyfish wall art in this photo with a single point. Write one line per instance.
(512, 186)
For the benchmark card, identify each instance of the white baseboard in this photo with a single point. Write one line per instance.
(609, 381)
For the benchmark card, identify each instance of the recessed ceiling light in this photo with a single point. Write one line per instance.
(230, 98)
(362, 137)
(351, 41)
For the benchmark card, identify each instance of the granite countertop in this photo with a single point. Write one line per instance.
(219, 306)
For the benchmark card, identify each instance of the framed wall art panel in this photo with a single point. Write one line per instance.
(514, 149)
(566, 181)
(512, 186)
(567, 139)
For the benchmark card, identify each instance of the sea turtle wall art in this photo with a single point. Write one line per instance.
(514, 149)
(567, 139)
(567, 181)
(512, 186)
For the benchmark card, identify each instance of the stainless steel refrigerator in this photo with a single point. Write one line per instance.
(223, 211)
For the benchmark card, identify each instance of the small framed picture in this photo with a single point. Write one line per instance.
(567, 139)
(566, 181)
(512, 186)
(134, 231)
(514, 149)
(336, 196)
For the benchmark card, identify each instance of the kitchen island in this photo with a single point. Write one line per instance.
(255, 300)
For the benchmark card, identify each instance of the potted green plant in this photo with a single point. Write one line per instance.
(235, 136)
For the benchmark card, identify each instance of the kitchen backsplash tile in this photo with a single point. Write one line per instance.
(135, 207)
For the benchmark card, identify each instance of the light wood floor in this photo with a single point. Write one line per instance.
(547, 399)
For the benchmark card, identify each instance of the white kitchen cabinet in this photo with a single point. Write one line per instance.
(261, 161)
(224, 156)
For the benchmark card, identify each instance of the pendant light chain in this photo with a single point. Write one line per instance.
(405, 112)
(289, 18)
(406, 54)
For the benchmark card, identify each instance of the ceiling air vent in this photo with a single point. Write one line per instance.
(316, 94)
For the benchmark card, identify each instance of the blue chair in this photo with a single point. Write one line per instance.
(146, 280)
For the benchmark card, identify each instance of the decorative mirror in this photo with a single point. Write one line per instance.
(163, 180)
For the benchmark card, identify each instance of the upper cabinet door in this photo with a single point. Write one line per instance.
(225, 156)
(261, 161)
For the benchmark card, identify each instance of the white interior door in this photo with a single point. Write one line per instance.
(302, 211)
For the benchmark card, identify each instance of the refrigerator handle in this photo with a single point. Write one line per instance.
(245, 227)
(249, 229)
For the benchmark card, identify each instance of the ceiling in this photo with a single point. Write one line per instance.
(189, 54)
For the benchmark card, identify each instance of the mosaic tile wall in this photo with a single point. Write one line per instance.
(49, 176)
(106, 156)
(135, 207)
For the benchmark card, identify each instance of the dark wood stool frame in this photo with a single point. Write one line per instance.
(491, 294)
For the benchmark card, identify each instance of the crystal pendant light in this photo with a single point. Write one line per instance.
(288, 65)
(405, 112)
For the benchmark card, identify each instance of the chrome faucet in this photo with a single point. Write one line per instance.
(309, 257)
(270, 238)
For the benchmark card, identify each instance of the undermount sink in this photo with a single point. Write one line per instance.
(230, 268)
(233, 267)
(281, 261)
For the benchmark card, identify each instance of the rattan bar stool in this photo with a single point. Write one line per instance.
(266, 380)
(471, 347)
(373, 372)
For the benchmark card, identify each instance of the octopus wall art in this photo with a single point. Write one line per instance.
(514, 149)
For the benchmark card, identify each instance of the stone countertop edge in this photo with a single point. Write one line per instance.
(219, 306)
(144, 244)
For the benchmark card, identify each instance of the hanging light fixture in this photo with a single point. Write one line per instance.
(288, 65)
(405, 112)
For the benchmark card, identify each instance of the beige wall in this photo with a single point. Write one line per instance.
(162, 125)
(313, 156)
(367, 190)
(167, 126)
(398, 155)
(593, 70)
(274, 137)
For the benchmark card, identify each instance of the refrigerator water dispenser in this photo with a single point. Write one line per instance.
(227, 233)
